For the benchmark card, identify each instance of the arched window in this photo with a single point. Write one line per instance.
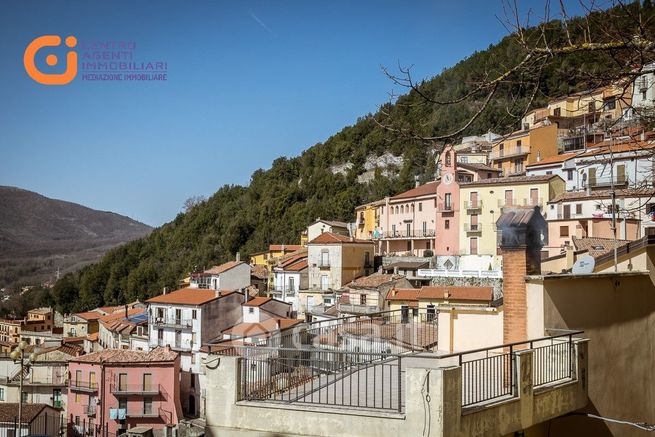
(448, 160)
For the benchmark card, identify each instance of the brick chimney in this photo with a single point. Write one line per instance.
(522, 233)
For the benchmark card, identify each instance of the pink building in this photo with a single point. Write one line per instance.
(407, 221)
(113, 390)
(447, 214)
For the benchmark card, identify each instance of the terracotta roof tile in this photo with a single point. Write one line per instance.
(476, 166)
(597, 246)
(223, 267)
(256, 302)
(375, 280)
(89, 315)
(422, 190)
(331, 238)
(457, 293)
(285, 247)
(603, 194)
(157, 355)
(264, 328)
(187, 296)
(554, 159)
(405, 294)
(9, 411)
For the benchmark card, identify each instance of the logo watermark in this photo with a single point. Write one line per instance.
(93, 61)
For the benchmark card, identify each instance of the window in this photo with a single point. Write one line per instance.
(193, 338)
(147, 406)
(390, 211)
(122, 403)
(178, 315)
(325, 258)
(557, 112)
(192, 380)
(193, 358)
(2, 394)
(160, 313)
(592, 107)
(563, 231)
(425, 228)
(448, 160)
(78, 398)
(160, 335)
(251, 310)
(362, 299)
(578, 208)
(402, 209)
(473, 246)
(448, 201)
(474, 222)
(446, 224)
(77, 420)
(194, 314)
(420, 206)
(24, 397)
(569, 175)
(610, 104)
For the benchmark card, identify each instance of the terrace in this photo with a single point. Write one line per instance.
(371, 377)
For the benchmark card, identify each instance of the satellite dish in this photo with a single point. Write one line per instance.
(584, 265)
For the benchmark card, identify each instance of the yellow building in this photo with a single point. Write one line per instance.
(269, 258)
(481, 204)
(367, 220)
(514, 152)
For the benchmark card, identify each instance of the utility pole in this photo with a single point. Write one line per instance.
(613, 194)
(18, 356)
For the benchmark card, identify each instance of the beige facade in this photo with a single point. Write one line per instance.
(482, 203)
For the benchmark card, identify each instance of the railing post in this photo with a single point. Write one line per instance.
(400, 385)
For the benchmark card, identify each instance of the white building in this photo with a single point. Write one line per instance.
(333, 226)
(186, 319)
(232, 275)
(291, 276)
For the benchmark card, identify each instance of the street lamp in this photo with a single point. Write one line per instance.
(18, 356)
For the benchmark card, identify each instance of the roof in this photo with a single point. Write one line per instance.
(297, 266)
(259, 271)
(596, 246)
(554, 159)
(603, 194)
(89, 315)
(43, 310)
(422, 190)
(375, 280)
(189, 296)
(510, 180)
(292, 259)
(216, 270)
(475, 166)
(332, 238)
(457, 293)
(9, 411)
(266, 327)
(285, 247)
(256, 302)
(157, 355)
(441, 292)
(606, 147)
(333, 223)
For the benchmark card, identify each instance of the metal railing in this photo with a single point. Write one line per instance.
(617, 181)
(417, 233)
(172, 322)
(89, 409)
(79, 385)
(473, 205)
(331, 378)
(472, 227)
(517, 151)
(490, 373)
(358, 308)
(446, 207)
(135, 389)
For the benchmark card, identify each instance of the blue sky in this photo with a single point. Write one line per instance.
(248, 81)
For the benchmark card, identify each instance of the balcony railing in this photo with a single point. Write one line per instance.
(358, 309)
(143, 413)
(504, 154)
(447, 207)
(607, 182)
(173, 322)
(324, 264)
(78, 385)
(472, 228)
(469, 206)
(57, 403)
(89, 409)
(135, 389)
(419, 233)
(524, 201)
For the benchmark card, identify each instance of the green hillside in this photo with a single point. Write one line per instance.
(281, 201)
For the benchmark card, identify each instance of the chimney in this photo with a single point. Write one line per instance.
(164, 290)
(126, 311)
(238, 257)
(522, 233)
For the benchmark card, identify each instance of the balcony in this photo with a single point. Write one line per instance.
(445, 207)
(423, 233)
(136, 389)
(520, 202)
(57, 404)
(85, 386)
(172, 322)
(473, 207)
(145, 413)
(324, 264)
(607, 182)
(89, 410)
(279, 290)
(358, 309)
(511, 153)
(473, 228)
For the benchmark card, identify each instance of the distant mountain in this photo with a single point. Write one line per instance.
(39, 235)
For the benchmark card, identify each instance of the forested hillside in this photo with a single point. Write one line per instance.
(281, 201)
